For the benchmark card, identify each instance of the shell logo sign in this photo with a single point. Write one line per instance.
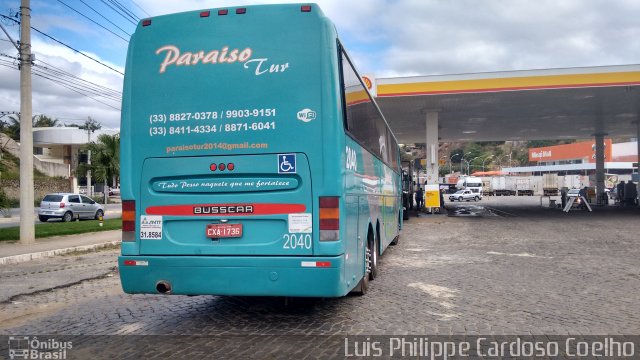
(369, 83)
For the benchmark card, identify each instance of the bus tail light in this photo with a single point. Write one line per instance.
(329, 218)
(305, 8)
(146, 22)
(241, 10)
(205, 13)
(223, 12)
(316, 264)
(128, 220)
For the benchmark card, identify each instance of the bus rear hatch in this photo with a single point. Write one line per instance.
(226, 205)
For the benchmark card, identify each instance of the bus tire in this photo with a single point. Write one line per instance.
(363, 285)
(374, 258)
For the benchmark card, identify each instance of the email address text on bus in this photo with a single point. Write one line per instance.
(216, 146)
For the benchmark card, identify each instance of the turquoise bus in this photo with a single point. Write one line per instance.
(254, 162)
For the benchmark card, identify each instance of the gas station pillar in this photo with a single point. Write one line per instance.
(600, 168)
(638, 160)
(432, 166)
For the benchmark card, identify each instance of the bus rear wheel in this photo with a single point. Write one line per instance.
(363, 285)
(373, 273)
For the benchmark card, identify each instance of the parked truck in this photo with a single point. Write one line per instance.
(524, 186)
(549, 184)
(503, 186)
(575, 181)
(486, 187)
(472, 183)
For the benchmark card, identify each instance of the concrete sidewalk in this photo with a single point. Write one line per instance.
(14, 252)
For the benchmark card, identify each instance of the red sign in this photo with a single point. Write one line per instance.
(585, 150)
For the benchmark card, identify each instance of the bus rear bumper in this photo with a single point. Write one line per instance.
(234, 275)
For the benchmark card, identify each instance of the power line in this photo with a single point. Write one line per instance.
(134, 21)
(104, 17)
(62, 72)
(78, 51)
(68, 46)
(78, 88)
(76, 84)
(138, 6)
(74, 90)
(125, 10)
(71, 78)
(93, 21)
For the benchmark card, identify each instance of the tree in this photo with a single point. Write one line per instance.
(91, 124)
(105, 159)
(44, 121)
(12, 127)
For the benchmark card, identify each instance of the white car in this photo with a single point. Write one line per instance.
(467, 195)
(68, 206)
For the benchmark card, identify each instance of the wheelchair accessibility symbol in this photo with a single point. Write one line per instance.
(286, 163)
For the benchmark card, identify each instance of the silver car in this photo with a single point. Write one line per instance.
(68, 206)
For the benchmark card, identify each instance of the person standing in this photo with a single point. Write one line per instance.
(630, 193)
(620, 193)
(420, 198)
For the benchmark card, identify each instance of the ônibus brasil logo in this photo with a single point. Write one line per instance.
(25, 347)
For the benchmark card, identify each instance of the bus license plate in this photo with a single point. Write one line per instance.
(224, 230)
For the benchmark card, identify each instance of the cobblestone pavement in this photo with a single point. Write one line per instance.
(547, 273)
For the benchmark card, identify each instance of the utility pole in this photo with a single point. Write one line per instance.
(27, 226)
(89, 192)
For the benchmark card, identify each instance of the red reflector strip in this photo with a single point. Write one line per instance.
(221, 166)
(329, 202)
(256, 209)
(205, 13)
(136, 263)
(323, 264)
(223, 12)
(230, 166)
(241, 10)
(305, 8)
(213, 167)
(146, 22)
(329, 224)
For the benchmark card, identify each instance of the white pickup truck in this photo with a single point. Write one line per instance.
(467, 195)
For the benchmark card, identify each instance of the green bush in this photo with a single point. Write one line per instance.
(99, 199)
(5, 204)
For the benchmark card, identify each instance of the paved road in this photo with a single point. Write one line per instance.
(549, 273)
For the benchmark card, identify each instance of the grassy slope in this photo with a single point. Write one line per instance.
(60, 228)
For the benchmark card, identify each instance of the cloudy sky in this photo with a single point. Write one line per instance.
(386, 38)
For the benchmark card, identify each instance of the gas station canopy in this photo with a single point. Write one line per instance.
(573, 103)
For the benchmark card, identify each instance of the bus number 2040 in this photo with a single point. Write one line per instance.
(297, 241)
